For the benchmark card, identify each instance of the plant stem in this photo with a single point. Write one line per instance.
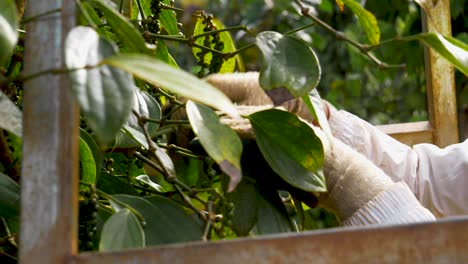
(299, 29)
(140, 9)
(363, 48)
(31, 18)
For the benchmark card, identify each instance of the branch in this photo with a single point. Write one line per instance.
(363, 48)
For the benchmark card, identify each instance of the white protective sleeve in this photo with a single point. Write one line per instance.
(437, 177)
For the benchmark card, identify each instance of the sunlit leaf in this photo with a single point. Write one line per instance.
(175, 80)
(452, 49)
(104, 92)
(288, 62)
(229, 46)
(166, 221)
(11, 117)
(95, 150)
(220, 141)
(87, 165)
(163, 54)
(122, 231)
(9, 197)
(8, 29)
(168, 20)
(291, 148)
(366, 19)
(128, 34)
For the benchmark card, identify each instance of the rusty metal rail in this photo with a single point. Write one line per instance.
(442, 242)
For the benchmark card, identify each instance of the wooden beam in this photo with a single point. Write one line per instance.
(438, 242)
(49, 179)
(440, 80)
(410, 133)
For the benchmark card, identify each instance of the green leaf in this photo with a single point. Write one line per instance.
(104, 93)
(145, 105)
(147, 180)
(128, 34)
(168, 19)
(163, 54)
(244, 214)
(95, 150)
(122, 231)
(291, 148)
(11, 117)
(366, 19)
(229, 65)
(272, 215)
(166, 221)
(8, 29)
(188, 170)
(113, 185)
(87, 165)
(453, 50)
(9, 197)
(175, 80)
(220, 141)
(288, 62)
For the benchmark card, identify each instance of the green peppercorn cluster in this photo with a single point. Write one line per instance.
(88, 206)
(153, 21)
(213, 40)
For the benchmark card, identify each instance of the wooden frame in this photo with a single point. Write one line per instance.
(442, 128)
(50, 177)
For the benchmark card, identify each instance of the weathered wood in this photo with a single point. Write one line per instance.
(50, 142)
(439, 77)
(443, 242)
(410, 133)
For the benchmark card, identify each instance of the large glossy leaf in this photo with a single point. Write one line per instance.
(288, 63)
(87, 164)
(229, 46)
(366, 19)
(145, 105)
(220, 141)
(272, 215)
(166, 221)
(9, 197)
(8, 29)
(452, 49)
(11, 117)
(104, 93)
(291, 148)
(122, 231)
(128, 34)
(175, 80)
(244, 215)
(113, 185)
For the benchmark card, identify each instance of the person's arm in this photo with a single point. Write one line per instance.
(438, 177)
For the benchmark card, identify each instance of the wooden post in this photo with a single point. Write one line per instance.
(439, 77)
(50, 142)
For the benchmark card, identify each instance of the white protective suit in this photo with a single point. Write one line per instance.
(437, 177)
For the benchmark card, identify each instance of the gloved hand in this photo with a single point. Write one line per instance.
(358, 191)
